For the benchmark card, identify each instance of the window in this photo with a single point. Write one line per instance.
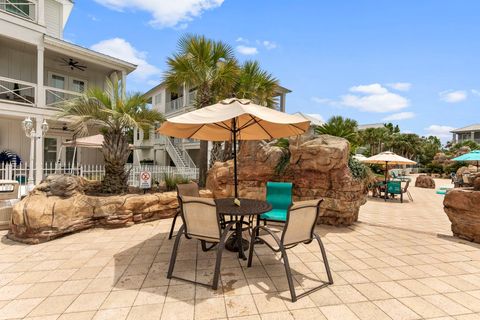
(18, 7)
(50, 150)
(158, 99)
(78, 85)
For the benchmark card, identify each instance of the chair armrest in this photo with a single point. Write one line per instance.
(268, 230)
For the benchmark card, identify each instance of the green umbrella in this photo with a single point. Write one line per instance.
(471, 156)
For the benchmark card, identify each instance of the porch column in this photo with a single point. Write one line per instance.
(472, 135)
(40, 93)
(282, 102)
(185, 95)
(124, 83)
(38, 150)
(41, 12)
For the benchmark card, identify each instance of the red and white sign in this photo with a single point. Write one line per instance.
(145, 180)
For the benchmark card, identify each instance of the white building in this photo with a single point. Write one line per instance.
(471, 132)
(161, 150)
(38, 70)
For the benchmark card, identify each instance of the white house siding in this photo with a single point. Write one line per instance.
(17, 61)
(53, 18)
(13, 138)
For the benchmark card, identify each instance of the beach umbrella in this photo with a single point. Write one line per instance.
(234, 119)
(471, 156)
(387, 157)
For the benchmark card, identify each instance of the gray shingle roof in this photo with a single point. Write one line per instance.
(473, 127)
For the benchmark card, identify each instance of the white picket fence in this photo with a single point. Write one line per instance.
(94, 172)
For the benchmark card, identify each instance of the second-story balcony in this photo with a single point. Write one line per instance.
(25, 9)
(19, 92)
(179, 104)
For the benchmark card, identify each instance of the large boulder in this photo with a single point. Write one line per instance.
(317, 167)
(60, 205)
(462, 208)
(424, 181)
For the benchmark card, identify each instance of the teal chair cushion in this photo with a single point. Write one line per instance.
(279, 195)
(275, 215)
(394, 187)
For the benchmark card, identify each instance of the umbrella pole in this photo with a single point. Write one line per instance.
(386, 184)
(235, 179)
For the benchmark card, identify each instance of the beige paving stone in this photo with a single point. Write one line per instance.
(213, 308)
(277, 316)
(118, 299)
(422, 307)
(269, 303)
(395, 289)
(72, 287)
(348, 294)
(53, 305)
(19, 308)
(180, 310)
(368, 311)
(242, 305)
(111, 314)
(307, 314)
(446, 304)
(180, 292)
(87, 302)
(146, 312)
(10, 292)
(396, 310)
(338, 312)
(324, 297)
(372, 291)
(85, 315)
(465, 300)
(154, 295)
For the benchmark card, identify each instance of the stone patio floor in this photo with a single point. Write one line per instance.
(398, 271)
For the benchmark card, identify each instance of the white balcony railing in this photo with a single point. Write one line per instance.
(16, 91)
(55, 96)
(174, 105)
(24, 9)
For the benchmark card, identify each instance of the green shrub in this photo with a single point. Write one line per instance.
(434, 168)
(454, 167)
(359, 170)
(171, 181)
(283, 162)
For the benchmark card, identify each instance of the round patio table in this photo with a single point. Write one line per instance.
(248, 207)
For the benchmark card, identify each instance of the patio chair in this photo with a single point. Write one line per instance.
(202, 222)
(395, 187)
(405, 190)
(279, 195)
(185, 189)
(9, 195)
(299, 228)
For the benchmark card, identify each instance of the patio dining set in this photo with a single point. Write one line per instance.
(222, 224)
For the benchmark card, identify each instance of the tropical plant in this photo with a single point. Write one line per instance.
(284, 160)
(359, 170)
(115, 115)
(171, 181)
(211, 68)
(340, 127)
(256, 84)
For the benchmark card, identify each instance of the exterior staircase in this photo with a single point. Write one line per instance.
(179, 156)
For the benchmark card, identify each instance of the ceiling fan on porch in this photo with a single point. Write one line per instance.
(73, 64)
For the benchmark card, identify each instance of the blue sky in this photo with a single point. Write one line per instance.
(415, 62)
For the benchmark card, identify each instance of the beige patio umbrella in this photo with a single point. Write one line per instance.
(388, 157)
(236, 119)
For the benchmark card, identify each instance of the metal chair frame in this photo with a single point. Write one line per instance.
(172, 228)
(221, 246)
(282, 249)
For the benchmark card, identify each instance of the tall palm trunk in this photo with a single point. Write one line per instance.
(216, 154)
(203, 163)
(115, 152)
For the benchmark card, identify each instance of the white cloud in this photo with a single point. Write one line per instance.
(122, 49)
(269, 45)
(246, 50)
(439, 131)
(316, 116)
(374, 98)
(399, 116)
(165, 13)
(453, 96)
(475, 92)
(242, 40)
(400, 86)
(323, 100)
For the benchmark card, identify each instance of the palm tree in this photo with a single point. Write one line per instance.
(257, 85)
(115, 115)
(340, 127)
(211, 68)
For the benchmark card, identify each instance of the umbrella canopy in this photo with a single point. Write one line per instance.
(252, 122)
(95, 142)
(387, 157)
(471, 156)
(236, 119)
